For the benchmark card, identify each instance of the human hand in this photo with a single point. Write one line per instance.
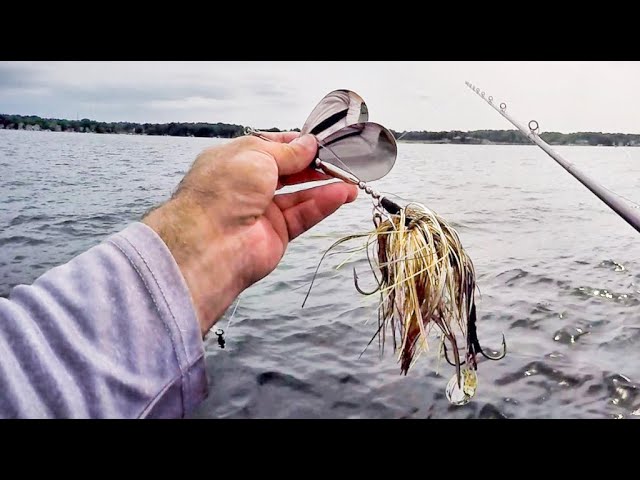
(225, 226)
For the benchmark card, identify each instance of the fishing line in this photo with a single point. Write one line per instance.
(220, 332)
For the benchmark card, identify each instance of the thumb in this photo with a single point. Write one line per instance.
(293, 157)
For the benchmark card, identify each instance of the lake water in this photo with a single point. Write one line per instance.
(558, 273)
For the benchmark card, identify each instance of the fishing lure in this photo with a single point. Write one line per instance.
(425, 279)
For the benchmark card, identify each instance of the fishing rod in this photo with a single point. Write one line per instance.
(631, 216)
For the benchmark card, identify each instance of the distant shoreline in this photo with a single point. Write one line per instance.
(425, 142)
(439, 142)
(226, 130)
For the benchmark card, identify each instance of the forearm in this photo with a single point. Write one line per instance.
(113, 333)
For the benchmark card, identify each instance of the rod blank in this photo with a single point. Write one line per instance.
(631, 216)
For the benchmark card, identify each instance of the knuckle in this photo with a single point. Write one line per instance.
(208, 151)
(286, 152)
(249, 141)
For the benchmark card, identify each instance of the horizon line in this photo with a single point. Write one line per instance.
(293, 129)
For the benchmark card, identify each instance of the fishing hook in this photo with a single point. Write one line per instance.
(474, 343)
(355, 282)
(446, 357)
(500, 356)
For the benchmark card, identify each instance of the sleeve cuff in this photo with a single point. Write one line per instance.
(155, 264)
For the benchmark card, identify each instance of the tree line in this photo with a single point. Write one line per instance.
(22, 122)
(226, 130)
(516, 137)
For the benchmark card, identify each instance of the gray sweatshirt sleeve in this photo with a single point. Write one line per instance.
(110, 334)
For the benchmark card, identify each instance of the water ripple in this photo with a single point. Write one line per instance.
(557, 274)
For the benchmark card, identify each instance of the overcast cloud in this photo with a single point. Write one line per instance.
(561, 96)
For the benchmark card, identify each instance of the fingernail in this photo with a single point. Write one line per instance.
(306, 141)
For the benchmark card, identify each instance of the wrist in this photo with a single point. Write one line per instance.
(204, 255)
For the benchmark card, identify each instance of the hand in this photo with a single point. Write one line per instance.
(225, 226)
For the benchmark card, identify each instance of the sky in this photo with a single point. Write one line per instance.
(561, 96)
